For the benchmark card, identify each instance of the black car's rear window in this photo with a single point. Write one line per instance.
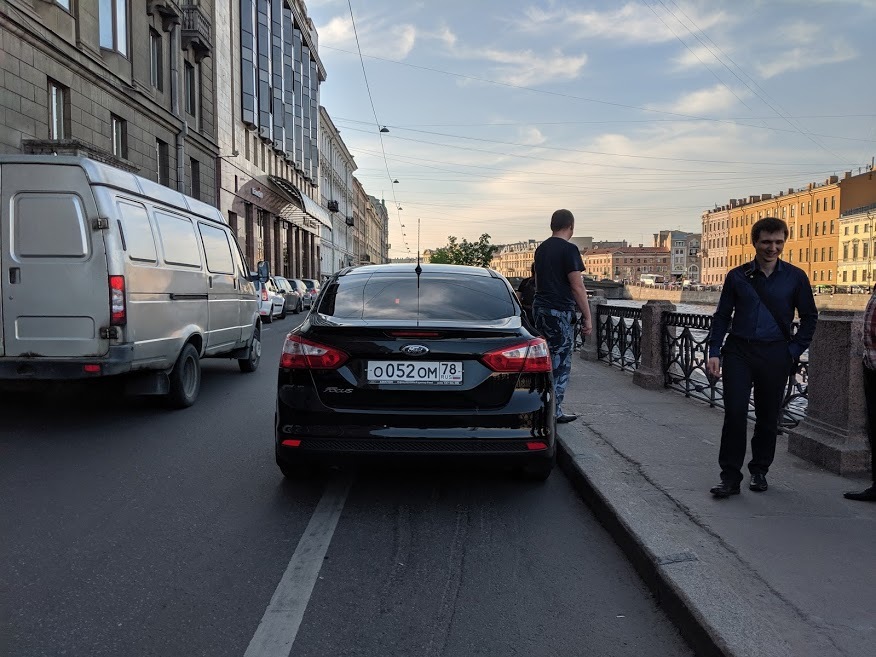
(444, 296)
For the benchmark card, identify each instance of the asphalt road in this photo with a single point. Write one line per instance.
(127, 529)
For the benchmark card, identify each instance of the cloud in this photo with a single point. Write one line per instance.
(634, 22)
(530, 135)
(525, 67)
(806, 56)
(696, 57)
(705, 101)
(378, 38)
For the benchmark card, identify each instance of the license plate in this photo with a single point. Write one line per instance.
(441, 372)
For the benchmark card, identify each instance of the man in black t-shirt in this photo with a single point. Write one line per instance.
(559, 287)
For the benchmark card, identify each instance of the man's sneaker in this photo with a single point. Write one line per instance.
(724, 489)
(868, 495)
(758, 483)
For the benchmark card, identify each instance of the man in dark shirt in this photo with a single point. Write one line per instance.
(760, 297)
(559, 287)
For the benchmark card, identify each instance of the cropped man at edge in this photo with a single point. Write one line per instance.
(559, 287)
(760, 298)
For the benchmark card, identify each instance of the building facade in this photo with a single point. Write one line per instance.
(336, 191)
(686, 262)
(627, 264)
(716, 228)
(381, 240)
(126, 83)
(813, 217)
(515, 260)
(269, 72)
(857, 262)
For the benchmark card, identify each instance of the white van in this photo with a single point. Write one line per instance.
(107, 273)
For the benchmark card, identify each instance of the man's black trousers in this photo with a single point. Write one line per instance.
(766, 366)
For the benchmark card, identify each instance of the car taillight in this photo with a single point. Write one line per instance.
(118, 308)
(264, 294)
(532, 356)
(300, 353)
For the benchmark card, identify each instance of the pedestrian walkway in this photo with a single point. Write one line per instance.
(789, 572)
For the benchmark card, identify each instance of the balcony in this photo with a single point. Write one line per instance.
(196, 31)
(169, 10)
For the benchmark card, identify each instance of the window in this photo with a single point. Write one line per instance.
(63, 3)
(136, 233)
(818, 205)
(856, 229)
(830, 253)
(854, 275)
(196, 178)
(114, 25)
(845, 251)
(816, 230)
(866, 250)
(824, 228)
(217, 249)
(845, 276)
(790, 256)
(156, 60)
(120, 136)
(191, 90)
(793, 211)
(854, 251)
(808, 207)
(832, 226)
(846, 230)
(396, 296)
(162, 155)
(815, 255)
(792, 232)
(178, 240)
(58, 110)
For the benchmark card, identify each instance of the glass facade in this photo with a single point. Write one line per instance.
(280, 82)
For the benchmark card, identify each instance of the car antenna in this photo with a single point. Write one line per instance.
(418, 269)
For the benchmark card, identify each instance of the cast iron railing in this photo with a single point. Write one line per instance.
(619, 336)
(685, 354)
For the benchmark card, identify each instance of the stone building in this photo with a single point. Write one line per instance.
(716, 228)
(857, 262)
(268, 74)
(627, 264)
(685, 264)
(514, 260)
(126, 83)
(336, 191)
(380, 239)
(372, 227)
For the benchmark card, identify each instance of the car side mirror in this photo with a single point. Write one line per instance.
(264, 270)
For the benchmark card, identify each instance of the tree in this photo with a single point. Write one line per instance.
(475, 254)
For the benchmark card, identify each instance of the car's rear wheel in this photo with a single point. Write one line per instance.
(270, 316)
(185, 378)
(283, 313)
(540, 470)
(293, 471)
(251, 362)
(299, 307)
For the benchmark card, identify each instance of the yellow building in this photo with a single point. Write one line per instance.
(515, 260)
(812, 214)
(857, 264)
(716, 228)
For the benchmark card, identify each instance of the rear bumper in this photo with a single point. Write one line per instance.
(117, 361)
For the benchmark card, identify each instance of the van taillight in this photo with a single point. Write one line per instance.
(118, 308)
(264, 294)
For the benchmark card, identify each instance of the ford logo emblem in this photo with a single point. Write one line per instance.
(415, 350)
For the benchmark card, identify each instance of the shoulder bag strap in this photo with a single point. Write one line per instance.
(769, 306)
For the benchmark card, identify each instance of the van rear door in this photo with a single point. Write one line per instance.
(55, 290)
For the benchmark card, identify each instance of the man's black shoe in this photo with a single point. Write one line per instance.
(758, 483)
(868, 495)
(567, 417)
(725, 489)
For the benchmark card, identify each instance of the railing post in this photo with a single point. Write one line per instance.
(590, 348)
(650, 372)
(834, 433)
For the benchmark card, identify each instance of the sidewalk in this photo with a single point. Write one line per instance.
(790, 572)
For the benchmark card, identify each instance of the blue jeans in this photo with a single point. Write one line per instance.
(556, 328)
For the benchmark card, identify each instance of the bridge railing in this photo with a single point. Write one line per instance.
(619, 336)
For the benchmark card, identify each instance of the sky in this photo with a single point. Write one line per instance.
(636, 116)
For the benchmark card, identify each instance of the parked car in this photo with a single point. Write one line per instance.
(313, 288)
(292, 295)
(271, 303)
(388, 367)
(106, 273)
(298, 284)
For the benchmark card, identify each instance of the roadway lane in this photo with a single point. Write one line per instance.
(132, 530)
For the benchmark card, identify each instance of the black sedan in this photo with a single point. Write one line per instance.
(406, 360)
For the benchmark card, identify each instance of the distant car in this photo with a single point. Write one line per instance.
(301, 288)
(294, 299)
(386, 368)
(313, 288)
(271, 302)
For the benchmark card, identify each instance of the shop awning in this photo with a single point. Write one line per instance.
(301, 208)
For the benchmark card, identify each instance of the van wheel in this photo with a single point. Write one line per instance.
(185, 379)
(251, 362)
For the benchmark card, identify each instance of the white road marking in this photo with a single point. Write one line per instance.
(279, 626)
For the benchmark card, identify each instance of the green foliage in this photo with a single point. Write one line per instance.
(475, 254)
